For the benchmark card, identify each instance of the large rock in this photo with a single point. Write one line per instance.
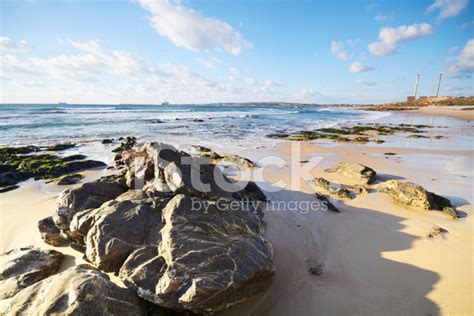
(50, 233)
(20, 268)
(416, 196)
(80, 290)
(209, 257)
(355, 171)
(82, 197)
(111, 232)
(162, 168)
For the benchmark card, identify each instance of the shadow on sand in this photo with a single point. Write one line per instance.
(357, 278)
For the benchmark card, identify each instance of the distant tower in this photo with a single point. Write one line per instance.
(439, 84)
(416, 86)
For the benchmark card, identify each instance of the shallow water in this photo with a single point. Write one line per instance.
(221, 126)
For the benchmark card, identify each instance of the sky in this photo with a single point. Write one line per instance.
(205, 51)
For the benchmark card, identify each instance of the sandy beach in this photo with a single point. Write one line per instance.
(376, 255)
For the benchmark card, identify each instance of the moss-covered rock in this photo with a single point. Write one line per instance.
(8, 151)
(127, 143)
(60, 147)
(278, 135)
(416, 196)
(16, 168)
(332, 189)
(70, 178)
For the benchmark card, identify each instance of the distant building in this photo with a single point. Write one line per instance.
(411, 99)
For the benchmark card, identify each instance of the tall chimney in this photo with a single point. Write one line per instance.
(416, 85)
(439, 84)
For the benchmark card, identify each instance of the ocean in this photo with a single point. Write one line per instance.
(216, 125)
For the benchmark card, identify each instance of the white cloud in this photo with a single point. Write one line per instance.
(309, 95)
(391, 37)
(365, 83)
(88, 66)
(337, 48)
(7, 44)
(210, 63)
(447, 8)
(189, 29)
(358, 67)
(467, 25)
(464, 65)
(380, 17)
(93, 74)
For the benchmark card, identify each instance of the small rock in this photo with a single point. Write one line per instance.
(327, 203)
(107, 141)
(437, 231)
(317, 270)
(332, 189)
(49, 232)
(60, 147)
(69, 179)
(355, 171)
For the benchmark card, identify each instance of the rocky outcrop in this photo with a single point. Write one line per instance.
(111, 232)
(416, 196)
(208, 259)
(16, 165)
(162, 168)
(82, 197)
(355, 171)
(180, 244)
(50, 233)
(80, 290)
(20, 268)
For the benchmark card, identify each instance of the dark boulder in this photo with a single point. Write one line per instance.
(20, 268)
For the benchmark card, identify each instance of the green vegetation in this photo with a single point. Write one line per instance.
(8, 151)
(361, 133)
(16, 166)
(59, 147)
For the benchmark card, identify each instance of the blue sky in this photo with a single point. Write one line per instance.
(195, 51)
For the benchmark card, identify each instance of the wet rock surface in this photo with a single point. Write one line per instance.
(17, 164)
(22, 267)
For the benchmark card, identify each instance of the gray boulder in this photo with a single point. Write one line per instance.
(111, 232)
(162, 168)
(208, 258)
(355, 171)
(80, 290)
(20, 268)
(50, 233)
(82, 197)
